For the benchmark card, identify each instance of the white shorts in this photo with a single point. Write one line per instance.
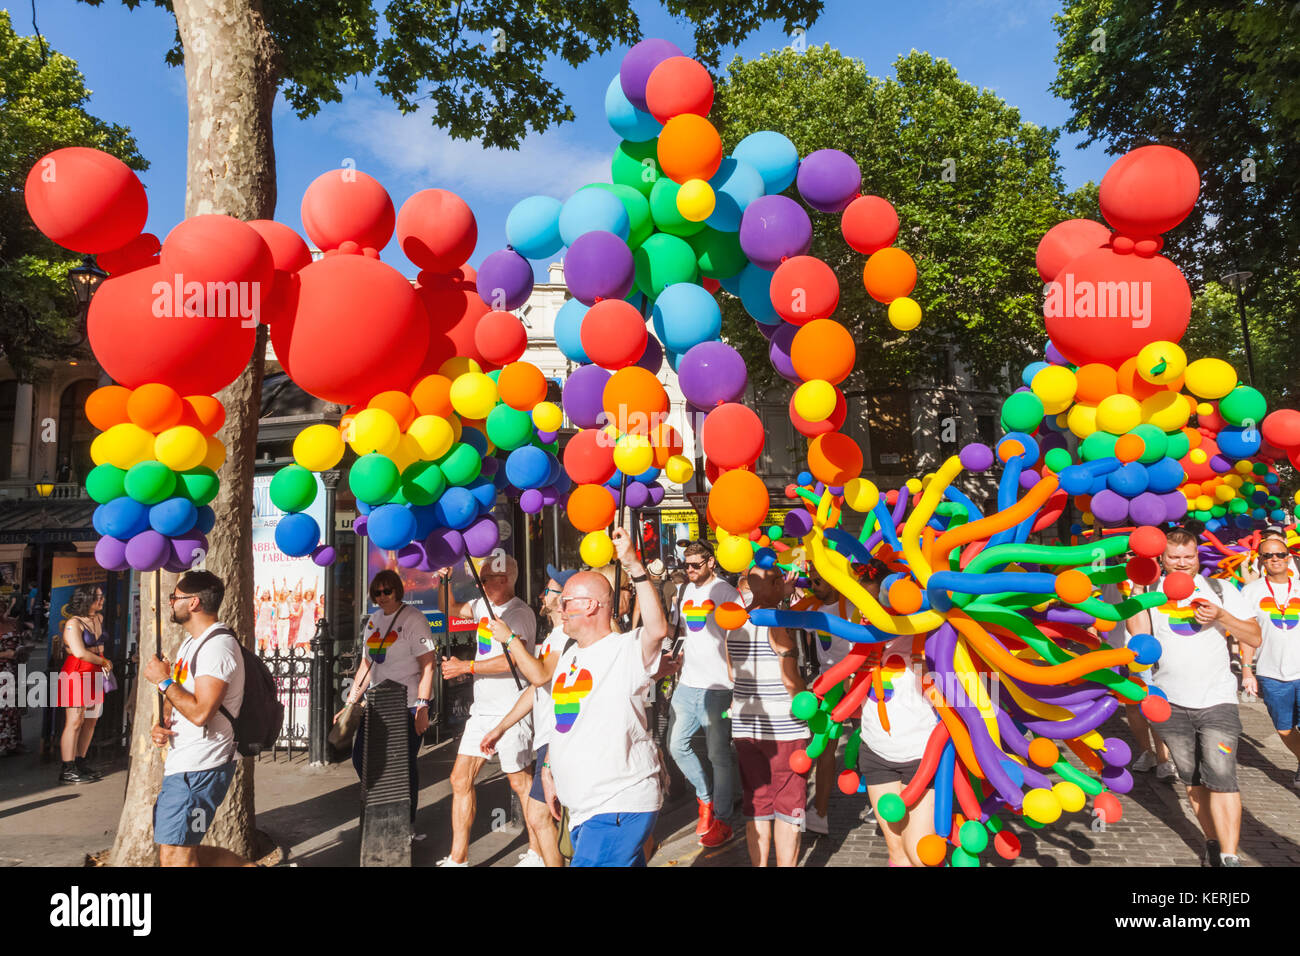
(515, 748)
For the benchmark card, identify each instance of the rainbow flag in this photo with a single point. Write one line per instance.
(566, 696)
(697, 615)
(484, 634)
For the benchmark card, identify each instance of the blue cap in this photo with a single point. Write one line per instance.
(559, 577)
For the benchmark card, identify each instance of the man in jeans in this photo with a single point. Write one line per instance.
(1195, 674)
(703, 696)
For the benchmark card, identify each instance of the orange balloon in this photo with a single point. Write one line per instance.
(1043, 752)
(689, 148)
(823, 349)
(398, 404)
(432, 396)
(738, 501)
(932, 849)
(1094, 382)
(666, 442)
(1129, 448)
(207, 411)
(1131, 383)
(889, 274)
(521, 385)
(834, 459)
(155, 407)
(905, 596)
(106, 406)
(591, 507)
(1073, 586)
(634, 400)
(730, 616)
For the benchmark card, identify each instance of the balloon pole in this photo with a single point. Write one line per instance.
(514, 671)
(618, 523)
(157, 631)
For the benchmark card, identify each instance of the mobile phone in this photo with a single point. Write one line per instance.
(677, 646)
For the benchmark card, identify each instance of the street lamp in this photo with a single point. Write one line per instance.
(1237, 282)
(44, 487)
(85, 280)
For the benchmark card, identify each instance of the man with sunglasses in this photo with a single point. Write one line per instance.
(1275, 601)
(201, 693)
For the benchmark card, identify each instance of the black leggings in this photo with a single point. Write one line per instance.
(359, 750)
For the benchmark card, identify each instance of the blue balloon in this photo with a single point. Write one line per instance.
(632, 124)
(533, 227)
(484, 492)
(121, 518)
(1164, 476)
(590, 209)
(773, 155)
(1129, 480)
(648, 476)
(1239, 442)
(426, 519)
(568, 331)
(364, 507)
(756, 295)
(207, 519)
(456, 509)
(685, 314)
(554, 471)
(732, 283)
(173, 517)
(527, 467)
(1146, 647)
(1032, 369)
(391, 527)
(297, 534)
(674, 359)
(475, 439)
(736, 184)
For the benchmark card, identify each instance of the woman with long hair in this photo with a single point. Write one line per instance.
(81, 681)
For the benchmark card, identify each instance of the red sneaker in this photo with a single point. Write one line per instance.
(718, 834)
(705, 823)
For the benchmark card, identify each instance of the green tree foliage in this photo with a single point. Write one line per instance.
(42, 107)
(975, 187)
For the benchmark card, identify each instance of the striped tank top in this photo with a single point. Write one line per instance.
(760, 703)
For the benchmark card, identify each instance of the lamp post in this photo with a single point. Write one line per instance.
(1237, 282)
(85, 280)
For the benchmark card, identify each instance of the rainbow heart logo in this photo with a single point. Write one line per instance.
(567, 694)
(1182, 620)
(697, 615)
(376, 647)
(181, 672)
(888, 672)
(1225, 749)
(484, 637)
(1283, 618)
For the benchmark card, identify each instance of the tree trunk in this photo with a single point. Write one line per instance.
(231, 80)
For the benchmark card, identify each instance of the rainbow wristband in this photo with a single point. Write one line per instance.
(167, 682)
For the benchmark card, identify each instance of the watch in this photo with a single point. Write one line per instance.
(638, 578)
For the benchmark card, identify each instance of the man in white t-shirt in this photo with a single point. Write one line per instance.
(1195, 675)
(602, 762)
(703, 696)
(495, 693)
(202, 693)
(1274, 599)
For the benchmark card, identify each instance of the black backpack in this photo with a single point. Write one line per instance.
(261, 715)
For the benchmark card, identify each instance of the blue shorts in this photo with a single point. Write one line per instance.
(612, 839)
(537, 793)
(1282, 698)
(187, 803)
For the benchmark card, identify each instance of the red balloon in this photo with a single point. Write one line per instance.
(613, 334)
(1143, 570)
(139, 332)
(1203, 471)
(589, 457)
(85, 200)
(1066, 241)
(140, 252)
(454, 308)
(1155, 709)
(288, 250)
(732, 436)
(1281, 428)
(678, 85)
(1108, 806)
(813, 429)
(800, 762)
(1007, 844)
(1179, 585)
(345, 205)
(1147, 541)
(803, 289)
(436, 230)
(1149, 190)
(218, 250)
(1103, 306)
(869, 224)
(358, 330)
(500, 338)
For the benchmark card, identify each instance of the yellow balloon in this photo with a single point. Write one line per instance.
(1070, 796)
(1088, 517)
(127, 444)
(1042, 805)
(473, 395)
(913, 485)
(1160, 363)
(1204, 502)
(1210, 378)
(374, 429)
(1055, 387)
(679, 469)
(861, 495)
(548, 417)
(1233, 480)
(1137, 668)
(904, 314)
(633, 454)
(216, 456)
(1168, 411)
(735, 554)
(181, 448)
(433, 434)
(1244, 467)
(1082, 420)
(815, 399)
(318, 447)
(453, 368)
(99, 449)
(1225, 492)
(1204, 408)
(695, 200)
(1118, 414)
(596, 549)
(406, 453)
(1197, 456)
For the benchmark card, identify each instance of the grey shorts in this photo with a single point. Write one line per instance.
(1203, 744)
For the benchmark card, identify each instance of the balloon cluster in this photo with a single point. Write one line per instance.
(1227, 558)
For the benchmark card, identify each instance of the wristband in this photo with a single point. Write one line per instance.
(166, 682)
(421, 702)
(471, 667)
(505, 645)
(638, 579)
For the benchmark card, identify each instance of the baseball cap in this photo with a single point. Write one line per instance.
(559, 577)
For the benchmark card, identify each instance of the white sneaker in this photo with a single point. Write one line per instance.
(531, 858)
(814, 822)
(1145, 762)
(448, 861)
(1166, 771)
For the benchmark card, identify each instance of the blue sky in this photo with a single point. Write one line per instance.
(1006, 45)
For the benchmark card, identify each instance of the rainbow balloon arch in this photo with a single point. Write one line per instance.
(445, 414)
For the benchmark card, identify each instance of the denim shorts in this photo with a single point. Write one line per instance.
(612, 839)
(1282, 698)
(1203, 744)
(538, 792)
(187, 803)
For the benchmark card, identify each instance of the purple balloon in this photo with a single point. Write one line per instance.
(1108, 507)
(1175, 505)
(656, 493)
(597, 266)
(796, 524)
(638, 63)
(767, 330)
(531, 501)
(148, 550)
(1118, 779)
(1029, 478)
(482, 536)
(1117, 752)
(976, 457)
(712, 373)
(189, 547)
(583, 395)
(505, 280)
(637, 495)
(829, 180)
(1148, 508)
(444, 547)
(1054, 355)
(779, 351)
(359, 525)
(1220, 465)
(546, 437)
(324, 555)
(774, 228)
(652, 359)
(172, 566)
(412, 555)
(489, 467)
(111, 554)
(550, 495)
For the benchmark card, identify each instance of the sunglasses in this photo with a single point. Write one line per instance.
(552, 590)
(381, 592)
(180, 597)
(696, 565)
(1270, 555)
(565, 602)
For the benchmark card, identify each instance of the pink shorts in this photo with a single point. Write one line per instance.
(770, 789)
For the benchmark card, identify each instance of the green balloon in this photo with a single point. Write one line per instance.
(1218, 511)
(509, 428)
(630, 166)
(105, 482)
(200, 485)
(804, 705)
(399, 497)
(961, 858)
(891, 808)
(974, 838)
(293, 488)
(1155, 442)
(1058, 459)
(461, 464)
(1243, 404)
(995, 824)
(835, 731)
(718, 254)
(423, 483)
(1099, 444)
(819, 723)
(662, 260)
(150, 482)
(1260, 468)
(1032, 823)
(663, 209)
(374, 478)
(1022, 412)
(640, 224)
(1177, 444)
(1238, 506)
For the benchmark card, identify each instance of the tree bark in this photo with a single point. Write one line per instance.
(231, 80)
